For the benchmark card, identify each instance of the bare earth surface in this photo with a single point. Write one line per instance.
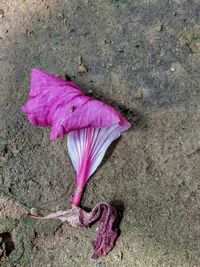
(143, 58)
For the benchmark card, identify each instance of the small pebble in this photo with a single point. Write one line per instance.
(28, 32)
(82, 68)
(107, 41)
(1, 13)
(120, 255)
(2, 158)
(139, 95)
(66, 22)
(159, 27)
(172, 69)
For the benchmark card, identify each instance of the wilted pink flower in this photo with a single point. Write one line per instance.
(91, 125)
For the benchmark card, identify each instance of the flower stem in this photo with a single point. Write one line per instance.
(76, 201)
(81, 178)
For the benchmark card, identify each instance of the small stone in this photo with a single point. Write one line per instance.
(159, 27)
(120, 255)
(2, 157)
(66, 23)
(172, 69)
(82, 69)
(150, 224)
(107, 41)
(1, 13)
(61, 15)
(139, 95)
(28, 32)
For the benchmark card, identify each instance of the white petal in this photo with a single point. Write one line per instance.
(91, 143)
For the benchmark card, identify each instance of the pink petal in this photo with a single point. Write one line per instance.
(42, 81)
(46, 89)
(108, 227)
(86, 149)
(61, 105)
(83, 112)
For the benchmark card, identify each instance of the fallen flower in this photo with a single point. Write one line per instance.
(91, 126)
(87, 148)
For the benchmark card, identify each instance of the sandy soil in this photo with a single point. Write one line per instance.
(143, 58)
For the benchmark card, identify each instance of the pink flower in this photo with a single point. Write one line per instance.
(91, 126)
(61, 105)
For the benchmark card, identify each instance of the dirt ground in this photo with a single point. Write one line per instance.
(143, 58)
